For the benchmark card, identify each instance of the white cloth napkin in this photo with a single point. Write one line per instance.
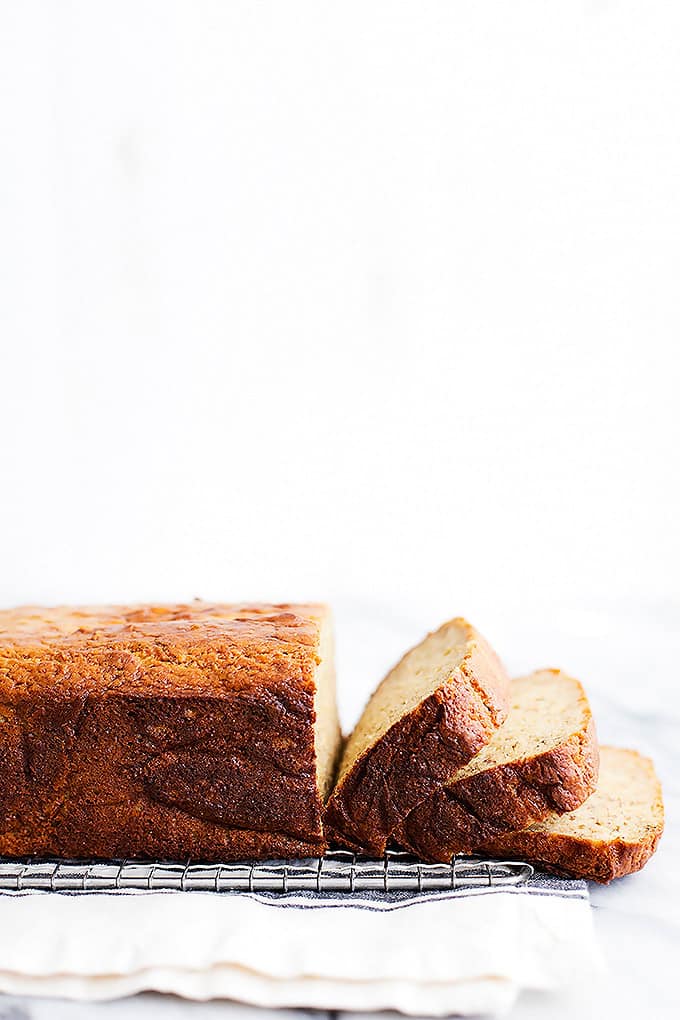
(453, 952)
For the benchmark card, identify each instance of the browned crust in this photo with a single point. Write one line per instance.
(459, 818)
(186, 731)
(568, 855)
(419, 752)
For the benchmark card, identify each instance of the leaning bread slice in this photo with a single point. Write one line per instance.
(543, 759)
(433, 712)
(613, 833)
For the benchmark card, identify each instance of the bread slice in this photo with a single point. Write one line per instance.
(433, 712)
(543, 759)
(613, 833)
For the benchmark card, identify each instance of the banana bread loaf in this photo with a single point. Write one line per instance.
(433, 712)
(172, 731)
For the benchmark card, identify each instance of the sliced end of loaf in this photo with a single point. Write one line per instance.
(327, 734)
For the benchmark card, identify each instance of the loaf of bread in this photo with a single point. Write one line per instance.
(430, 715)
(167, 731)
(543, 759)
(613, 833)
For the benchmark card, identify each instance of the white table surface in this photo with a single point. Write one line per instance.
(628, 657)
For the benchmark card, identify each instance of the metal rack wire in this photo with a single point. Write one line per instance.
(337, 871)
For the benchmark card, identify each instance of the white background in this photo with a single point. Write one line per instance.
(368, 302)
(372, 302)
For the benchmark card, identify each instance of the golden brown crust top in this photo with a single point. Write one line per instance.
(50, 622)
(185, 648)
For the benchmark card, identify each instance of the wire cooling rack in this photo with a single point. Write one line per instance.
(336, 871)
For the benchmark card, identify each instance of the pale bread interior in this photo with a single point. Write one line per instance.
(418, 675)
(626, 805)
(546, 708)
(327, 735)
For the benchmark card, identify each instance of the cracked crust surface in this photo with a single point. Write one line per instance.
(543, 759)
(613, 833)
(433, 712)
(166, 731)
